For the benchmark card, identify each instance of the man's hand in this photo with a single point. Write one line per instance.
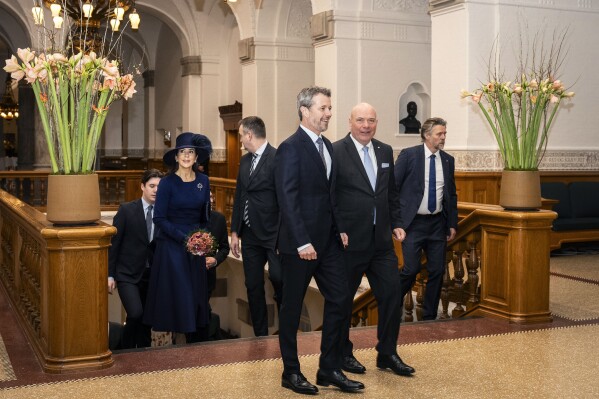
(111, 285)
(210, 262)
(399, 234)
(308, 253)
(235, 247)
(344, 239)
(452, 233)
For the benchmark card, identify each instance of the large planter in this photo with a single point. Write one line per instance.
(520, 190)
(73, 199)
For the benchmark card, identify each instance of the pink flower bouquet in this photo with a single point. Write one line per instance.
(201, 243)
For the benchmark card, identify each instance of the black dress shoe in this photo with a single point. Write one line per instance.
(394, 363)
(338, 379)
(298, 384)
(352, 365)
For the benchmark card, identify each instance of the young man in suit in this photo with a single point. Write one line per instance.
(424, 175)
(368, 216)
(255, 219)
(130, 257)
(310, 244)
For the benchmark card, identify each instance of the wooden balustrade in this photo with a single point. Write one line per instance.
(55, 278)
(31, 187)
(507, 267)
(116, 186)
(223, 191)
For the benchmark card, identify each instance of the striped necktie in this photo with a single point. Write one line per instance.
(246, 214)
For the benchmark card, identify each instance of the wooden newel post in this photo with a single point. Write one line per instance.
(74, 301)
(515, 265)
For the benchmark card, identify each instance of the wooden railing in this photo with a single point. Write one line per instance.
(55, 278)
(31, 187)
(115, 187)
(505, 256)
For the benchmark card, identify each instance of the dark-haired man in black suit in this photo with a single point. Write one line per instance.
(368, 215)
(129, 259)
(424, 175)
(309, 243)
(255, 219)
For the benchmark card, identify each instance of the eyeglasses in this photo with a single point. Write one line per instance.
(187, 151)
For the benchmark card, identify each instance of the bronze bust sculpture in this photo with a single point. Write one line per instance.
(410, 122)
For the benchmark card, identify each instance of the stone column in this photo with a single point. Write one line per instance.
(26, 127)
(273, 74)
(153, 140)
(192, 93)
(373, 53)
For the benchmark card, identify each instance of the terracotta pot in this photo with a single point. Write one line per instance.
(520, 190)
(73, 199)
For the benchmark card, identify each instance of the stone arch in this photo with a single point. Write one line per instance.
(245, 14)
(18, 32)
(183, 27)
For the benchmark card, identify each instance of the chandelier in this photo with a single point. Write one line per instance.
(88, 14)
(84, 18)
(9, 109)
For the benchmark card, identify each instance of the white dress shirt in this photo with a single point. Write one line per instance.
(439, 180)
(371, 153)
(327, 156)
(259, 153)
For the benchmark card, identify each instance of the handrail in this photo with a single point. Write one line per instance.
(510, 250)
(116, 186)
(55, 278)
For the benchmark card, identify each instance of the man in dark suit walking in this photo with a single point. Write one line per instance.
(309, 243)
(428, 210)
(256, 219)
(130, 257)
(368, 216)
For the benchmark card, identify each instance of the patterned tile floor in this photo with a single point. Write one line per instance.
(27, 371)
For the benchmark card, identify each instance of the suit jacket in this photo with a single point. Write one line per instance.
(409, 178)
(259, 190)
(304, 194)
(130, 248)
(218, 228)
(356, 200)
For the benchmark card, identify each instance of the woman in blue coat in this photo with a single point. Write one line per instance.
(177, 294)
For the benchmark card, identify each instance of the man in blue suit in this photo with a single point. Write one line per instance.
(424, 175)
(309, 243)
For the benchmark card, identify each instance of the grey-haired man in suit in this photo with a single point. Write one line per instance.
(424, 175)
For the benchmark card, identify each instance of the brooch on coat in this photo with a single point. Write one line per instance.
(200, 186)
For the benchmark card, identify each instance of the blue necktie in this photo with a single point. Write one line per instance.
(369, 168)
(432, 186)
(370, 172)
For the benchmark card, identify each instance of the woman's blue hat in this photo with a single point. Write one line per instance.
(199, 142)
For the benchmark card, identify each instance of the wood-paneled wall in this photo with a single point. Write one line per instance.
(483, 187)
